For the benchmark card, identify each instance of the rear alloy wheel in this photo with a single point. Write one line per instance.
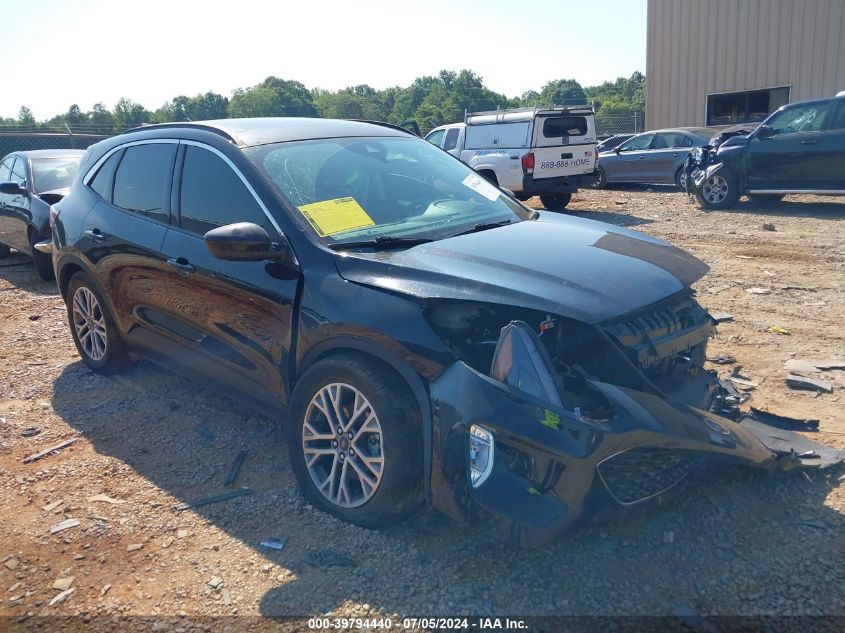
(92, 327)
(720, 191)
(681, 179)
(556, 203)
(601, 180)
(43, 261)
(354, 440)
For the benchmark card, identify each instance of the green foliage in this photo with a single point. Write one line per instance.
(562, 92)
(430, 100)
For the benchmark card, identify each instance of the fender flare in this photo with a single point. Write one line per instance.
(399, 365)
(62, 278)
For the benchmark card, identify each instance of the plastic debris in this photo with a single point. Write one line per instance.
(274, 543)
(795, 381)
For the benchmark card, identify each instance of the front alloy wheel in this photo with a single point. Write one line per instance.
(720, 191)
(341, 442)
(354, 440)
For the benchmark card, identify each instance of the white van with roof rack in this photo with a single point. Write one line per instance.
(546, 152)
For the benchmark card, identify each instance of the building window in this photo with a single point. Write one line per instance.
(751, 106)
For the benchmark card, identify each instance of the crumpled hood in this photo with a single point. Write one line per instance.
(572, 267)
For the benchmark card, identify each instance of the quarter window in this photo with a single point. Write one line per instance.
(142, 181)
(19, 170)
(6, 169)
(213, 195)
(103, 182)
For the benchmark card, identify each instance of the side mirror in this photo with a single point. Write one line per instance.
(764, 131)
(246, 242)
(12, 188)
(618, 150)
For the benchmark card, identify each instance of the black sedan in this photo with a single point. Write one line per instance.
(423, 336)
(29, 183)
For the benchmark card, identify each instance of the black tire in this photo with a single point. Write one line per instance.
(115, 356)
(43, 261)
(556, 203)
(489, 176)
(724, 180)
(5, 251)
(766, 198)
(601, 182)
(399, 441)
(679, 179)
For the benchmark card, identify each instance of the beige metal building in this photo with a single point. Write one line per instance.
(718, 62)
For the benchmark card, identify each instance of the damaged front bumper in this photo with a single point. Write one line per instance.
(551, 463)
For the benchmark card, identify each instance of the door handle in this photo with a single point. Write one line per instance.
(96, 235)
(808, 141)
(182, 265)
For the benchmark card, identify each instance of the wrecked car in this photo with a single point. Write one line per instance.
(422, 335)
(30, 182)
(800, 148)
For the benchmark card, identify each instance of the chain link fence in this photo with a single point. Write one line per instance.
(632, 122)
(16, 138)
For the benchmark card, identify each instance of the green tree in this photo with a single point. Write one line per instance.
(293, 98)
(562, 92)
(252, 102)
(101, 117)
(128, 113)
(25, 118)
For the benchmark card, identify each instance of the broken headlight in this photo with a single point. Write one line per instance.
(481, 446)
(522, 362)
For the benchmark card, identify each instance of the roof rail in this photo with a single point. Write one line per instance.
(187, 124)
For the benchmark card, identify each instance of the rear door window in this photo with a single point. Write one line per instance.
(564, 126)
(451, 139)
(637, 143)
(839, 119)
(213, 195)
(103, 181)
(142, 180)
(671, 140)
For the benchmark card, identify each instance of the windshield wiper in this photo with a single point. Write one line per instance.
(381, 241)
(483, 226)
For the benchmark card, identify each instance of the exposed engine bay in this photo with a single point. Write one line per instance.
(662, 348)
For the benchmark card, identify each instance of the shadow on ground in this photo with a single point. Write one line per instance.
(20, 272)
(742, 542)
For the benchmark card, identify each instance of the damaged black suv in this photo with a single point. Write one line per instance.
(423, 336)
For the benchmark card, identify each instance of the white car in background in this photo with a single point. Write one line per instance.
(546, 152)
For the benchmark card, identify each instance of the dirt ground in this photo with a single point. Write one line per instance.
(146, 440)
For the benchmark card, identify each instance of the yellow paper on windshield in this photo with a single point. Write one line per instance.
(336, 216)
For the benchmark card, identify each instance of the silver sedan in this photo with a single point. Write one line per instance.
(655, 157)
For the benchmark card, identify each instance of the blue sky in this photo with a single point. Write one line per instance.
(85, 51)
